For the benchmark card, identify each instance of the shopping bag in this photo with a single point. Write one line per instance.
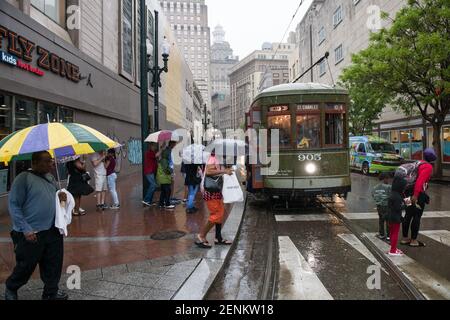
(231, 190)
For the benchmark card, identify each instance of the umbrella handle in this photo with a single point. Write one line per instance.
(57, 171)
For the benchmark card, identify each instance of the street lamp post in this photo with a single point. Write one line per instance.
(145, 68)
(206, 123)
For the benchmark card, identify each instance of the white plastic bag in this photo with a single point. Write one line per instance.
(231, 190)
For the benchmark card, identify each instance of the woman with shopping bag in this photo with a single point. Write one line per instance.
(212, 194)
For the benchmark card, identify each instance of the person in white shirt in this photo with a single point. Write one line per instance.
(101, 185)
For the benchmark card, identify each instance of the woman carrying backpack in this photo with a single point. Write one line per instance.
(418, 200)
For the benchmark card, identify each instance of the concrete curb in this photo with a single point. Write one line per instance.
(199, 282)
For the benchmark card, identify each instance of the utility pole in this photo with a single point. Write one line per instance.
(144, 90)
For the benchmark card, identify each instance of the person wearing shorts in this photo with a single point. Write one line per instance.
(214, 202)
(100, 178)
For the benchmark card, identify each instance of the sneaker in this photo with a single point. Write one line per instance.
(99, 207)
(171, 207)
(115, 207)
(105, 207)
(397, 253)
(146, 204)
(81, 210)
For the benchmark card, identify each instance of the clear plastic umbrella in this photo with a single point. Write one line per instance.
(195, 154)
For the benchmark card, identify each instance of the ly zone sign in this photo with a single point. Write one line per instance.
(20, 54)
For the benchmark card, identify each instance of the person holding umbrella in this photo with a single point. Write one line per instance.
(36, 240)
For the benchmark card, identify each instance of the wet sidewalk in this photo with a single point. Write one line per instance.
(120, 254)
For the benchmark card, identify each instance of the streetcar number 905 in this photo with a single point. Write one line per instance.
(310, 157)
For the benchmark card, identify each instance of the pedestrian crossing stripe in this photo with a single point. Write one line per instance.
(430, 284)
(354, 242)
(374, 215)
(297, 281)
(350, 216)
(304, 217)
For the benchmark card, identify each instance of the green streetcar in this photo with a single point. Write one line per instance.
(313, 137)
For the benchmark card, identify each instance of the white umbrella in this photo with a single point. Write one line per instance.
(195, 154)
(162, 136)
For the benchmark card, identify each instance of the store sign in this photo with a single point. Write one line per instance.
(20, 54)
(279, 109)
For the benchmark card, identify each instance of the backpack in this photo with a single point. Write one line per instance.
(409, 172)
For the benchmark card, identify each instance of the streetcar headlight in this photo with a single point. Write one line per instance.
(311, 168)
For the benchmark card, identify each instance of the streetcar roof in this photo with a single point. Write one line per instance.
(301, 88)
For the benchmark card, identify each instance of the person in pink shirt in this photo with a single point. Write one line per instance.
(418, 200)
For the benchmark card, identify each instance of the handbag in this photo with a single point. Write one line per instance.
(86, 177)
(213, 184)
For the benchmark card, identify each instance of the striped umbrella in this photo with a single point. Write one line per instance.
(60, 139)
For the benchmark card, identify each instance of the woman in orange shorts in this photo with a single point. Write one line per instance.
(214, 202)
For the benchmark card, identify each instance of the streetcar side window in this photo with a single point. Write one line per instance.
(334, 132)
(308, 131)
(283, 124)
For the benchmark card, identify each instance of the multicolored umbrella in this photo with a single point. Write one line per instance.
(162, 136)
(60, 139)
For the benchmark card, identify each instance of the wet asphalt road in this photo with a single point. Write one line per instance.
(319, 257)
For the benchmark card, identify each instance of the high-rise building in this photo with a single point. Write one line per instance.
(189, 22)
(222, 60)
(259, 70)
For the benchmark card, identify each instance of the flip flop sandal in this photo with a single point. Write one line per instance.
(223, 242)
(203, 244)
(421, 244)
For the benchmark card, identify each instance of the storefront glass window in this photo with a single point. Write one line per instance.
(26, 116)
(26, 113)
(65, 115)
(308, 131)
(446, 144)
(47, 113)
(283, 124)
(5, 130)
(386, 135)
(405, 146)
(417, 144)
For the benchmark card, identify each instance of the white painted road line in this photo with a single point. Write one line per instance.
(442, 236)
(304, 217)
(297, 281)
(431, 285)
(374, 215)
(353, 241)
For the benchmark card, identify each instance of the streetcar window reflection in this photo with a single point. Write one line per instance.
(308, 131)
(283, 124)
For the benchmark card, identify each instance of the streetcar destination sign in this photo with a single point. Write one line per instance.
(307, 107)
(279, 108)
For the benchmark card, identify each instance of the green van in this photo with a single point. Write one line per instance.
(371, 154)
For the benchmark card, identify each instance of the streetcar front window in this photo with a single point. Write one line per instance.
(308, 131)
(334, 132)
(283, 124)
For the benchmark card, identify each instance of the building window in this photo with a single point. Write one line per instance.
(339, 54)
(337, 16)
(446, 144)
(322, 68)
(54, 9)
(127, 59)
(322, 35)
(48, 113)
